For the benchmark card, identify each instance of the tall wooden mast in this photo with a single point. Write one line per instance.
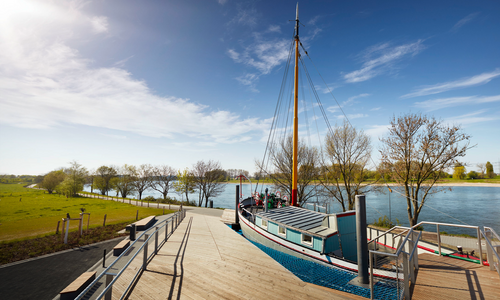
(295, 114)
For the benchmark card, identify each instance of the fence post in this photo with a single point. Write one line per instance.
(371, 274)
(57, 229)
(439, 239)
(104, 223)
(479, 245)
(109, 293)
(406, 276)
(137, 215)
(66, 233)
(145, 259)
(156, 240)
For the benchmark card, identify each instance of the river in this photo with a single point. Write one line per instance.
(478, 206)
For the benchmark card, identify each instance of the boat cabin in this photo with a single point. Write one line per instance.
(331, 234)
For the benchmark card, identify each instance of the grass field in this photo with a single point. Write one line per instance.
(27, 213)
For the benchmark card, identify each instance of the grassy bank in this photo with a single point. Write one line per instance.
(27, 213)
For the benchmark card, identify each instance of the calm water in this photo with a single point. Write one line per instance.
(478, 206)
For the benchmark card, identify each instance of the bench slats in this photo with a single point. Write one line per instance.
(77, 286)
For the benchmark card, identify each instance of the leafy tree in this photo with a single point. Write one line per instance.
(124, 183)
(281, 158)
(185, 183)
(459, 172)
(489, 170)
(418, 148)
(52, 180)
(348, 153)
(75, 179)
(163, 179)
(473, 175)
(104, 174)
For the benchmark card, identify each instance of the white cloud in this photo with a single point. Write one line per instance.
(352, 116)
(377, 131)
(471, 118)
(99, 23)
(245, 17)
(350, 101)
(121, 63)
(451, 85)
(436, 104)
(464, 21)
(222, 2)
(375, 108)
(387, 57)
(45, 83)
(274, 28)
(250, 80)
(313, 20)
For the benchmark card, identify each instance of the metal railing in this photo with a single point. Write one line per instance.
(111, 274)
(406, 253)
(492, 250)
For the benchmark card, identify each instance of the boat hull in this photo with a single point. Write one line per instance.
(261, 236)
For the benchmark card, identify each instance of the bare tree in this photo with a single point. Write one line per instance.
(143, 179)
(162, 179)
(209, 180)
(419, 149)
(281, 158)
(482, 168)
(348, 153)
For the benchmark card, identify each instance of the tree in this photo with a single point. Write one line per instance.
(104, 174)
(143, 179)
(76, 177)
(52, 180)
(208, 178)
(185, 183)
(489, 170)
(348, 152)
(482, 168)
(124, 182)
(418, 149)
(459, 172)
(281, 158)
(163, 178)
(473, 175)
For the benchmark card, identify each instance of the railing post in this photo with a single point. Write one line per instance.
(156, 240)
(371, 275)
(406, 276)
(145, 259)
(109, 293)
(166, 231)
(415, 255)
(480, 246)
(439, 238)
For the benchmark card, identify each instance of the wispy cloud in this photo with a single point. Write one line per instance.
(375, 108)
(274, 28)
(436, 104)
(379, 58)
(246, 17)
(99, 24)
(45, 83)
(121, 63)
(222, 2)
(352, 116)
(464, 21)
(313, 20)
(472, 118)
(377, 131)
(350, 101)
(452, 85)
(250, 80)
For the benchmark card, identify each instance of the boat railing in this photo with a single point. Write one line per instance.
(316, 206)
(492, 249)
(105, 281)
(252, 217)
(405, 255)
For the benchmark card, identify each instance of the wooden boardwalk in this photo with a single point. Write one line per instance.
(449, 278)
(205, 259)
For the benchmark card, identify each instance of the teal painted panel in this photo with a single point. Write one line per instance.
(272, 228)
(258, 221)
(332, 244)
(317, 244)
(293, 236)
(347, 230)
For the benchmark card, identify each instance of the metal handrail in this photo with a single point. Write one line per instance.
(105, 272)
(492, 250)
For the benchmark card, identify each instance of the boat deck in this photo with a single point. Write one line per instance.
(205, 259)
(449, 278)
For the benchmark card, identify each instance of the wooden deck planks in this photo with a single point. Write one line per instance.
(448, 278)
(214, 262)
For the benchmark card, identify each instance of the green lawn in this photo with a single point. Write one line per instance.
(26, 213)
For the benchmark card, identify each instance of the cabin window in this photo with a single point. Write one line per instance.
(307, 239)
(282, 230)
(264, 224)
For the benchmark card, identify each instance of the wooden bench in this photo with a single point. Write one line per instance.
(118, 249)
(77, 286)
(143, 224)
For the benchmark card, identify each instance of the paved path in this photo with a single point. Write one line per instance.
(44, 277)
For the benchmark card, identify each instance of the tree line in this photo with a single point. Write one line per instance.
(207, 178)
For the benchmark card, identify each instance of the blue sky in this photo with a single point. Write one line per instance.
(174, 82)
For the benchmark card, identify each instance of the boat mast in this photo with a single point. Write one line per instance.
(295, 114)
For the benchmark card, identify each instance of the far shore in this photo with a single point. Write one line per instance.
(455, 184)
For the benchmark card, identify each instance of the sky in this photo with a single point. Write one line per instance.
(174, 82)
